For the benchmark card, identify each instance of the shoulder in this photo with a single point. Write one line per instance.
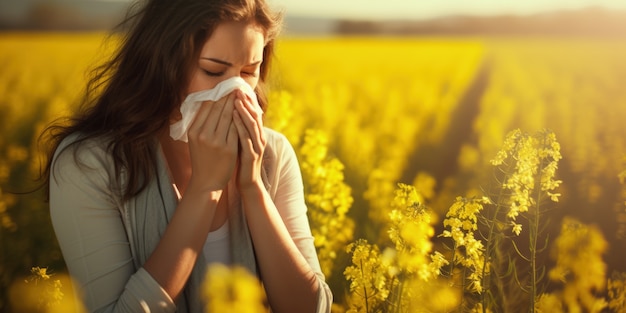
(278, 145)
(77, 153)
(83, 172)
(275, 136)
(281, 161)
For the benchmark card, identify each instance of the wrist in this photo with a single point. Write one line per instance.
(254, 189)
(205, 191)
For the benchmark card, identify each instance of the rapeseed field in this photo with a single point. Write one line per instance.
(441, 174)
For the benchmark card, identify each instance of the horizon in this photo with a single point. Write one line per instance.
(562, 17)
(413, 9)
(371, 10)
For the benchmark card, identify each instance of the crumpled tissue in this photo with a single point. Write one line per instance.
(191, 105)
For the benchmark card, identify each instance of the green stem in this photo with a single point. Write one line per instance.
(533, 225)
(486, 278)
(452, 270)
(463, 287)
(486, 281)
(367, 310)
(533, 237)
(394, 294)
(398, 296)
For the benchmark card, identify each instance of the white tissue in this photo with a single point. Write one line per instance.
(191, 105)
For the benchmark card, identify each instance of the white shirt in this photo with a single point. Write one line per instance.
(216, 247)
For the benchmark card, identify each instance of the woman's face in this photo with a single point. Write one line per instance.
(233, 49)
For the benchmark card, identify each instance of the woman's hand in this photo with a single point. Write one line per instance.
(213, 145)
(249, 124)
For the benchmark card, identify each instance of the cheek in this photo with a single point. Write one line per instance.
(252, 81)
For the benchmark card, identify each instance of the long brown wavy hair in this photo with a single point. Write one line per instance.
(130, 98)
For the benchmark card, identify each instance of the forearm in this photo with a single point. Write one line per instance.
(290, 282)
(172, 261)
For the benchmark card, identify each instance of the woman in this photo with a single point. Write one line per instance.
(139, 215)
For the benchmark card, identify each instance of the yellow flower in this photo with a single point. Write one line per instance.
(40, 272)
(548, 303)
(38, 292)
(616, 287)
(461, 221)
(411, 231)
(232, 290)
(438, 295)
(367, 275)
(579, 266)
(534, 160)
(328, 198)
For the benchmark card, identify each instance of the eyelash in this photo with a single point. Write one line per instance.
(213, 74)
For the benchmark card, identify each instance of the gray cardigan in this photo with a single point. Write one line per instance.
(85, 196)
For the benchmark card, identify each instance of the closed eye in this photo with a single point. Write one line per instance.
(213, 74)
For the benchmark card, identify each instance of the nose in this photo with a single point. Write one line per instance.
(232, 72)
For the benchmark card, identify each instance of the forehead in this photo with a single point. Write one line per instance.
(235, 42)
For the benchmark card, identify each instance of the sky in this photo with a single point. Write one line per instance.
(419, 9)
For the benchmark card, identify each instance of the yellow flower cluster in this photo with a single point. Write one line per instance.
(411, 232)
(39, 273)
(535, 159)
(281, 116)
(434, 296)
(232, 289)
(328, 198)
(402, 277)
(11, 155)
(528, 164)
(579, 266)
(6, 221)
(532, 86)
(548, 303)
(51, 293)
(468, 251)
(368, 276)
(616, 287)
(40, 292)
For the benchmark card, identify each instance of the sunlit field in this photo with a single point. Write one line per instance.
(441, 174)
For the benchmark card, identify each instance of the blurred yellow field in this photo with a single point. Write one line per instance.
(365, 114)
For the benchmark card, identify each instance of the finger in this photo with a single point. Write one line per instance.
(232, 138)
(258, 114)
(244, 136)
(257, 132)
(225, 120)
(253, 107)
(201, 116)
(211, 122)
(250, 104)
(245, 116)
(252, 100)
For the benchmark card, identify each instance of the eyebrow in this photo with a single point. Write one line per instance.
(228, 63)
